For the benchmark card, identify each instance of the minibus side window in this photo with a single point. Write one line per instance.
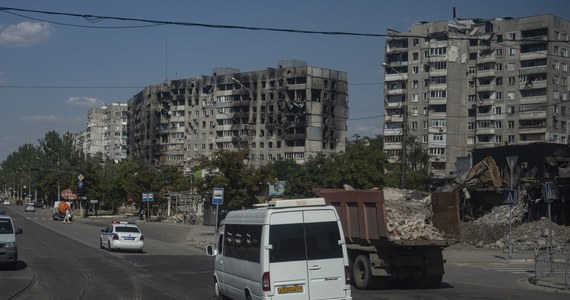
(242, 242)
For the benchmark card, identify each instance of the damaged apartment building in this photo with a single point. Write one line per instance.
(292, 111)
(465, 84)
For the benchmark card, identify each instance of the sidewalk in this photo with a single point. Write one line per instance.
(199, 236)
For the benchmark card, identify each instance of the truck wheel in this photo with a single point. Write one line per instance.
(361, 273)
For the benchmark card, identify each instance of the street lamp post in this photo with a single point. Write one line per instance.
(58, 185)
(404, 127)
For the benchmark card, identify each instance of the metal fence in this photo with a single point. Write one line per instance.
(551, 268)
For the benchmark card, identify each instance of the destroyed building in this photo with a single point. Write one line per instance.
(292, 111)
(467, 84)
(536, 165)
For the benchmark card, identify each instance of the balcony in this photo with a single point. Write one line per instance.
(392, 132)
(486, 73)
(396, 77)
(533, 55)
(396, 91)
(394, 118)
(530, 115)
(486, 131)
(437, 101)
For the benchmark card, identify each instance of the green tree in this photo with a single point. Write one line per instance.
(243, 184)
(417, 166)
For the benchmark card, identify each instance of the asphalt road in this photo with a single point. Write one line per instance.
(63, 261)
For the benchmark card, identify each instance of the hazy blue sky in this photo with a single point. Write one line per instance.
(54, 68)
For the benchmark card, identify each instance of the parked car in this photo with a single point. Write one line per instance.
(8, 241)
(29, 208)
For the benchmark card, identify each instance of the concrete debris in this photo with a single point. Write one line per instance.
(409, 226)
(499, 215)
(492, 231)
(408, 215)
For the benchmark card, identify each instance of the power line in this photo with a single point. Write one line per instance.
(82, 26)
(69, 87)
(92, 18)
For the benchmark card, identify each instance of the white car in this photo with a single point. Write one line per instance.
(6, 202)
(121, 236)
(29, 208)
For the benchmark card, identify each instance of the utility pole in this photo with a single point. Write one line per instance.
(403, 158)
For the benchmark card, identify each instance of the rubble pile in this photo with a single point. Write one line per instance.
(409, 226)
(408, 215)
(537, 234)
(492, 230)
(499, 215)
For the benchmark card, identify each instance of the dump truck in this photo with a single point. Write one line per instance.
(59, 208)
(376, 258)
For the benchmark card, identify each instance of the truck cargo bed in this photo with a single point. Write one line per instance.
(363, 218)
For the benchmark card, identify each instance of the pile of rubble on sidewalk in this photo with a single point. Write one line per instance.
(409, 215)
(492, 230)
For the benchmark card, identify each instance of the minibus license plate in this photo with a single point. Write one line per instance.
(290, 289)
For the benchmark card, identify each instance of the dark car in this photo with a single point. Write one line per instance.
(39, 204)
(19, 202)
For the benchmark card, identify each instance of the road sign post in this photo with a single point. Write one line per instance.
(147, 197)
(549, 196)
(510, 199)
(217, 199)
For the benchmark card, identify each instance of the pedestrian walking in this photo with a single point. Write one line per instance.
(67, 217)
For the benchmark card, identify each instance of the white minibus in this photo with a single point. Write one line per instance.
(289, 249)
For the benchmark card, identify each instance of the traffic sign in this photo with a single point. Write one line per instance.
(80, 184)
(549, 194)
(147, 197)
(510, 197)
(218, 196)
(80, 177)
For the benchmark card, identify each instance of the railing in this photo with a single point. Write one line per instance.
(551, 268)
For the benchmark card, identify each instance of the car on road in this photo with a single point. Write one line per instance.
(6, 202)
(8, 248)
(30, 208)
(121, 236)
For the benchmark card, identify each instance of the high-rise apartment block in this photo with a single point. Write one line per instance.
(472, 83)
(106, 132)
(291, 111)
